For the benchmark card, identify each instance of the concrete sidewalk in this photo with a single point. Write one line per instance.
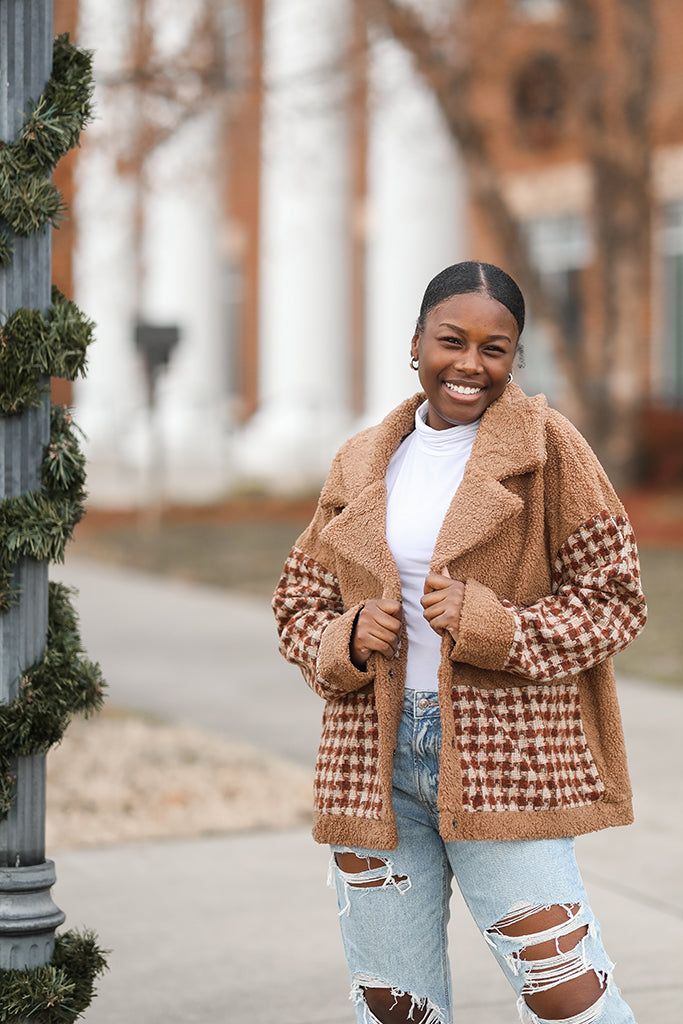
(242, 928)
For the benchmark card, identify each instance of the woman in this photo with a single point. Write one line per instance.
(456, 601)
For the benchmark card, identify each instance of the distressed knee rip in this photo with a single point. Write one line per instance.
(367, 873)
(547, 944)
(392, 1003)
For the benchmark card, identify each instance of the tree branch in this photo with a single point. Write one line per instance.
(451, 87)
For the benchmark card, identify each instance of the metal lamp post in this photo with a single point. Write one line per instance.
(28, 917)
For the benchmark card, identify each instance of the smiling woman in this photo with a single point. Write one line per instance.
(465, 341)
(464, 355)
(456, 600)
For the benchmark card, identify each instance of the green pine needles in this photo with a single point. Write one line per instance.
(35, 346)
(61, 684)
(53, 125)
(58, 992)
(38, 524)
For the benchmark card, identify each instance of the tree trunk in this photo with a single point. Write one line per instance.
(615, 98)
(602, 395)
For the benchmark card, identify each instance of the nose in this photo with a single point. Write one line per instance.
(467, 360)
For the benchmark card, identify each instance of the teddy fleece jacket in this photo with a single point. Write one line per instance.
(532, 740)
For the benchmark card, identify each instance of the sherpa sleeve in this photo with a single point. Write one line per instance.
(596, 606)
(313, 625)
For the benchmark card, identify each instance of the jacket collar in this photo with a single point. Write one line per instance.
(510, 441)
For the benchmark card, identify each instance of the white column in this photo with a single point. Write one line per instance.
(183, 286)
(305, 245)
(416, 219)
(176, 278)
(107, 401)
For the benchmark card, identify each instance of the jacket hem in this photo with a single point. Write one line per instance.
(345, 830)
(536, 824)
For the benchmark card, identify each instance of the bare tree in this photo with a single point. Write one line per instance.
(611, 101)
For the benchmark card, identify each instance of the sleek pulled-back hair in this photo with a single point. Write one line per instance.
(471, 276)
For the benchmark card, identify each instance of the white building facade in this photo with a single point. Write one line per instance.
(342, 256)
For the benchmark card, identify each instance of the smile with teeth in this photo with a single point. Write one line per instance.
(463, 389)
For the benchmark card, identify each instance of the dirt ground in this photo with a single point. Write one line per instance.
(119, 777)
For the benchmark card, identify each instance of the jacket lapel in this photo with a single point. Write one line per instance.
(358, 532)
(509, 442)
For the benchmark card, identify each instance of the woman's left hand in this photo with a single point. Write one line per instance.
(442, 602)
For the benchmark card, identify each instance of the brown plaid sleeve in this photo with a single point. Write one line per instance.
(596, 607)
(308, 604)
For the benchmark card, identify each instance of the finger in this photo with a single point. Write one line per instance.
(431, 614)
(381, 635)
(382, 647)
(433, 597)
(437, 582)
(388, 622)
(446, 572)
(389, 606)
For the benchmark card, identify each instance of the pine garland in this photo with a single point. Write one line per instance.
(58, 992)
(34, 346)
(6, 249)
(61, 684)
(28, 199)
(38, 524)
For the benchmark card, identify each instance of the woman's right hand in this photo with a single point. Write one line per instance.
(377, 628)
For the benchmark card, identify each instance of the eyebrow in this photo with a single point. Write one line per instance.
(491, 337)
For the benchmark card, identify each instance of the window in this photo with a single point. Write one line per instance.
(539, 10)
(560, 248)
(670, 383)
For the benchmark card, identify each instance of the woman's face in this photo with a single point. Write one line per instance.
(465, 354)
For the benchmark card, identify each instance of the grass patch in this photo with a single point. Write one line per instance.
(247, 554)
(658, 652)
(244, 556)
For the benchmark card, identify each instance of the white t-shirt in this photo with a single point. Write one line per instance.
(422, 478)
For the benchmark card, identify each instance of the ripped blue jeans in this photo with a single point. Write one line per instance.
(394, 904)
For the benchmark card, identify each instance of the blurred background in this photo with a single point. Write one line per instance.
(270, 184)
(266, 191)
(253, 217)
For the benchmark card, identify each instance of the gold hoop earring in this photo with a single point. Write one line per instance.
(414, 362)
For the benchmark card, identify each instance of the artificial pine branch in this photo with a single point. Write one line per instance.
(34, 346)
(28, 199)
(6, 250)
(38, 524)
(63, 683)
(58, 992)
(70, 333)
(63, 465)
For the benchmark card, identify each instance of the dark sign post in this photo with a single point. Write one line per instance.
(155, 345)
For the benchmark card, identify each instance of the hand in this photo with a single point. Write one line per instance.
(442, 602)
(377, 628)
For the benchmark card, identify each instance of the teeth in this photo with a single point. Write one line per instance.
(461, 389)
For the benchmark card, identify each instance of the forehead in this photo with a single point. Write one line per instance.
(475, 311)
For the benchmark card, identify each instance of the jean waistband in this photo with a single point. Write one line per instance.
(421, 703)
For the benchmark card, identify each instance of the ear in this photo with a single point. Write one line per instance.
(414, 344)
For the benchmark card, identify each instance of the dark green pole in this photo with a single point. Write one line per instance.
(28, 917)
